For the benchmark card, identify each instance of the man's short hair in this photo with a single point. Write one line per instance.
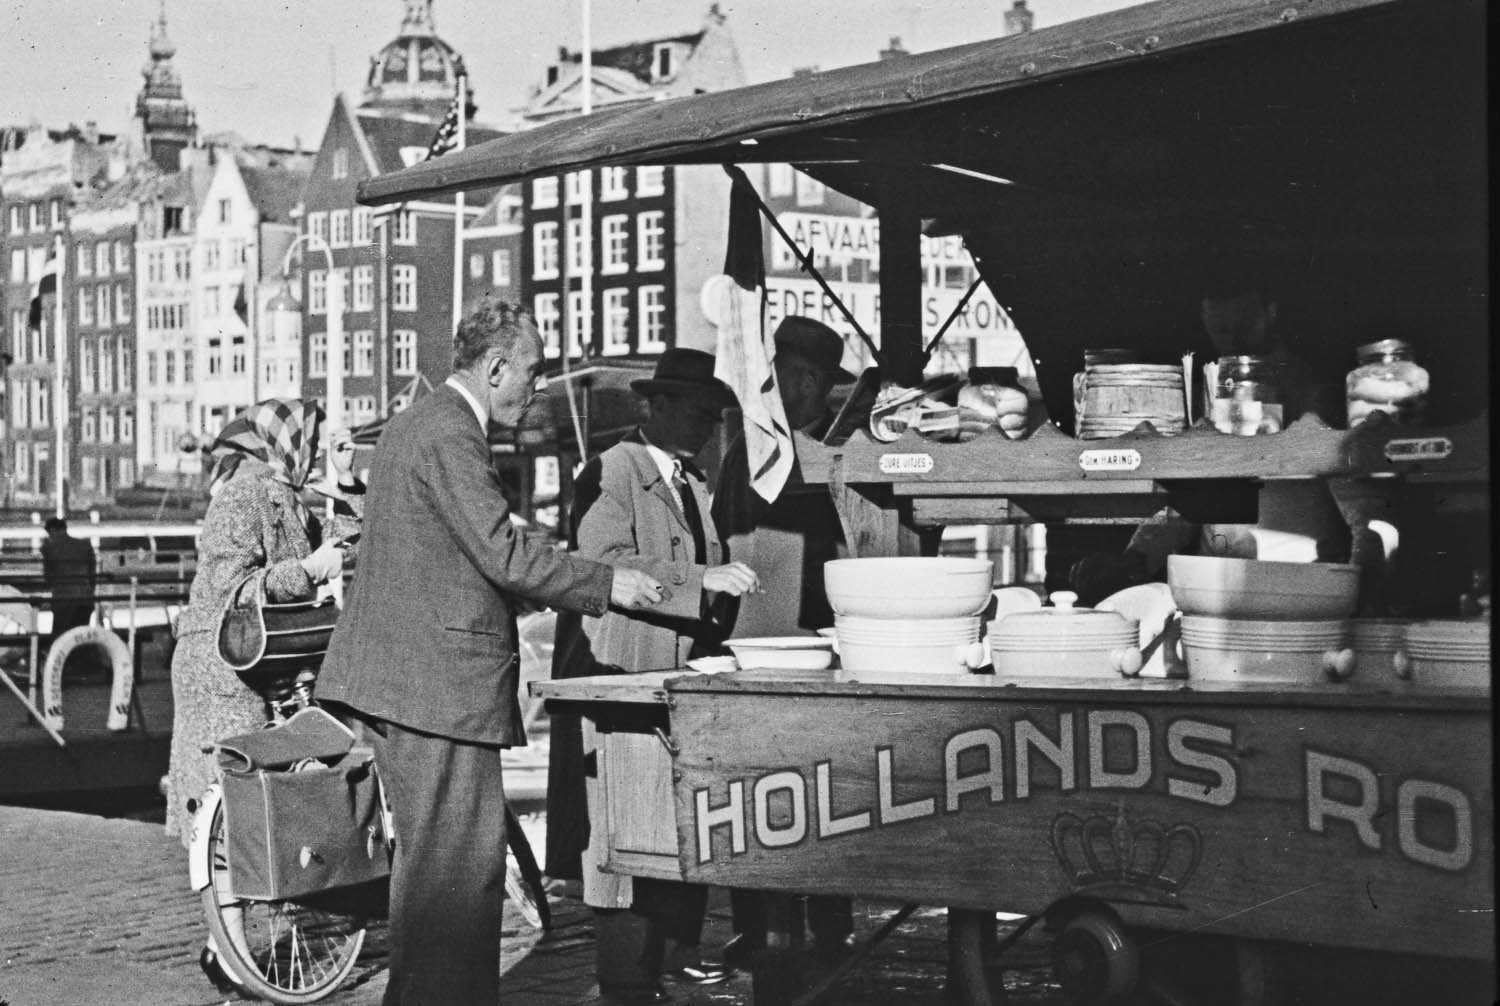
(55, 524)
(492, 324)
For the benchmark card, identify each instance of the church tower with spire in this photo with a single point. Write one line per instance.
(167, 123)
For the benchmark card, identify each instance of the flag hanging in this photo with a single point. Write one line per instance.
(241, 305)
(745, 350)
(446, 138)
(44, 284)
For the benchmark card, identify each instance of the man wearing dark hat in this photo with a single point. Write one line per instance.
(644, 504)
(807, 363)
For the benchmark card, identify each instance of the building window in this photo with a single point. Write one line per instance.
(169, 367)
(127, 467)
(85, 368)
(500, 267)
(404, 352)
(268, 373)
(650, 242)
(124, 308)
(155, 267)
(476, 265)
(317, 291)
(211, 256)
(90, 432)
(341, 162)
(127, 430)
(15, 220)
(361, 225)
(810, 191)
(338, 229)
(361, 409)
(106, 365)
(543, 193)
(544, 250)
(102, 301)
(579, 257)
(211, 303)
(364, 288)
(106, 426)
(122, 256)
(123, 365)
(236, 251)
(404, 287)
(364, 353)
(151, 371)
(578, 187)
(661, 65)
(56, 208)
(546, 311)
(616, 322)
(215, 357)
(18, 332)
(317, 225)
(84, 257)
(226, 211)
(650, 181)
(317, 355)
(612, 185)
(653, 319)
(182, 264)
(85, 306)
(405, 230)
(291, 373)
(18, 265)
(783, 180)
(37, 223)
(616, 242)
(237, 354)
(101, 258)
(580, 323)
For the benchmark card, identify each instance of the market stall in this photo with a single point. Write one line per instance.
(1087, 167)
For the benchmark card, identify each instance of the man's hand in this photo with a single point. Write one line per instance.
(734, 578)
(633, 589)
(341, 450)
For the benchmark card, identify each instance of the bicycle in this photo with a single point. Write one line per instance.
(301, 947)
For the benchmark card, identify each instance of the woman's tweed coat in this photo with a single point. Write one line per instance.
(253, 522)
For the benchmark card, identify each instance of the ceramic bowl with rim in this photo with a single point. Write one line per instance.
(1260, 589)
(805, 653)
(908, 586)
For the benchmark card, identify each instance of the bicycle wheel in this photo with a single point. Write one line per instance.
(281, 951)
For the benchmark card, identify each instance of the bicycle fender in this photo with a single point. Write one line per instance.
(200, 873)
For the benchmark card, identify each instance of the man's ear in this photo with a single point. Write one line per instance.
(494, 366)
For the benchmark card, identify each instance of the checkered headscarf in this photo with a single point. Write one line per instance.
(282, 432)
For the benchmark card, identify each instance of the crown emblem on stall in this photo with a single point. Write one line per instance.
(1123, 858)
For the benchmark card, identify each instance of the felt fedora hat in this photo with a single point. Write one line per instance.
(685, 372)
(815, 342)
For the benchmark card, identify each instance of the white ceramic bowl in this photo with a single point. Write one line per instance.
(908, 587)
(935, 658)
(804, 653)
(1237, 662)
(1257, 589)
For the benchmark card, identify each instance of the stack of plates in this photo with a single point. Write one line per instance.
(931, 645)
(1226, 649)
(1449, 652)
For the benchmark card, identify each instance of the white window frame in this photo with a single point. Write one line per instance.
(650, 180)
(612, 185)
(18, 265)
(547, 311)
(544, 193)
(651, 241)
(580, 323)
(83, 259)
(124, 305)
(578, 187)
(237, 361)
(783, 180)
(103, 305)
(122, 256)
(404, 228)
(476, 265)
(86, 370)
(85, 306)
(651, 324)
(500, 267)
(317, 224)
(340, 166)
(211, 256)
(106, 426)
(363, 291)
(226, 211)
(544, 250)
(810, 191)
(317, 291)
(404, 352)
(338, 229)
(364, 353)
(580, 248)
(403, 288)
(361, 223)
(101, 258)
(317, 354)
(614, 242)
(616, 333)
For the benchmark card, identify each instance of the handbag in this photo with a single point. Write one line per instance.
(258, 637)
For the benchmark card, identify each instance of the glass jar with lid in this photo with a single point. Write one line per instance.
(1248, 396)
(1388, 379)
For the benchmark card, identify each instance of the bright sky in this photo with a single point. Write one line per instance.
(267, 69)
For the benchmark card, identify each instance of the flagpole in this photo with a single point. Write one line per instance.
(458, 208)
(60, 360)
(586, 284)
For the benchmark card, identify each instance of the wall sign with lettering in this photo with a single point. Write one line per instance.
(1117, 460)
(1418, 449)
(905, 464)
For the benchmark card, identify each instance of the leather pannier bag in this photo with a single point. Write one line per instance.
(301, 810)
(260, 638)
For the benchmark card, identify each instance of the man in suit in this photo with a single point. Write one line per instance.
(425, 653)
(70, 571)
(807, 362)
(644, 503)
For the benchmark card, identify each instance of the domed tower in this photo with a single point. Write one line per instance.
(416, 72)
(167, 122)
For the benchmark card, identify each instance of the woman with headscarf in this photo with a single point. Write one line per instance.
(257, 531)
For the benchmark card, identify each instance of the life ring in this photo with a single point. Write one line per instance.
(119, 658)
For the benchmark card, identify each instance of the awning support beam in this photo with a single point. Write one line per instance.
(737, 175)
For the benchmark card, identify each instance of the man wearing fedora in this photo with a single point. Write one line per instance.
(807, 364)
(644, 504)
